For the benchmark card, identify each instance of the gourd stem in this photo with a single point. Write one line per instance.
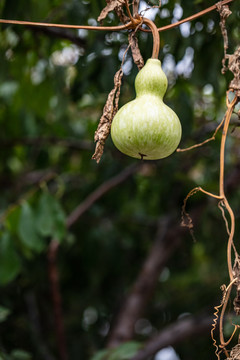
(156, 37)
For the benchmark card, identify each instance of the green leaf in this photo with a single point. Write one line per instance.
(19, 354)
(50, 217)
(44, 220)
(28, 231)
(12, 220)
(125, 351)
(4, 356)
(4, 312)
(10, 265)
(59, 230)
(101, 355)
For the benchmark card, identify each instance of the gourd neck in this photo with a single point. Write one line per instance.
(151, 80)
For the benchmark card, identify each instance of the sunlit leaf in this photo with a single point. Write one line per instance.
(101, 355)
(13, 219)
(28, 230)
(4, 356)
(44, 218)
(4, 312)
(125, 351)
(19, 354)
(50, 219)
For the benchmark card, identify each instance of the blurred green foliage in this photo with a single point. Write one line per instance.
(52, 93)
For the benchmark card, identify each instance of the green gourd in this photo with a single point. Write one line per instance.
(146, 128)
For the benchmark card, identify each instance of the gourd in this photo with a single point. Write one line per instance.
(145, 127)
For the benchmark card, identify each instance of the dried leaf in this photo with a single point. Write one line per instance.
(234, 59)
(135, 7)
(224, 12)
(234, 67)
(235, 353)
(136, 54)
(122, 17)
(109, 111)
(111, 5)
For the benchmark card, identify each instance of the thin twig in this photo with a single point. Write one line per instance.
(44, 179)
(99, 192)
(213, 137)
(221, 208)
(66, 26)
(181, 330)
(129, 12)
(185, 214)
(193, 17)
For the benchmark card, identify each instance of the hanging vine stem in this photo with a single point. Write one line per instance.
(156, 38)
(230, 108)
(230, 244)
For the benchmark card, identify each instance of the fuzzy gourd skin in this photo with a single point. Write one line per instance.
(145, 127)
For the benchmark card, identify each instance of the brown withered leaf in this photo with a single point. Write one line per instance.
(234, 67)
(109, 111)
(111, 5)
(235, 353)
(136, 54)
(122, 17)
(229, 62)
(224, 13)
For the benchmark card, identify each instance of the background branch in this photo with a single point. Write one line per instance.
(180, 331)
(61, 34)
(165, 244)
(135, 304)
(48, 140)
(35, 324)
(100, 191)
(54, 246)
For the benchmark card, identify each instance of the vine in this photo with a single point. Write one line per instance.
(223, 204)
